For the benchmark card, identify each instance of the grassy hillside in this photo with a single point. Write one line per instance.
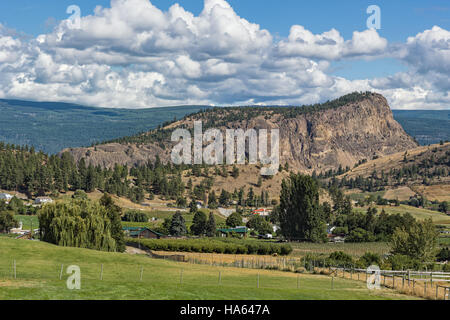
(38, 267)
(53, 126)
(418, 213)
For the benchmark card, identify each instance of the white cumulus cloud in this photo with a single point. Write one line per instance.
(132, 54)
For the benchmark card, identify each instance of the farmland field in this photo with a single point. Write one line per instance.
(354, 249)
(28, 221)
(38, 268)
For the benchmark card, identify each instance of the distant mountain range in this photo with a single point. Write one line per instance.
(53, 126)
(427, 126)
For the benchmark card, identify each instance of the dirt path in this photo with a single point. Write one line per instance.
(132, 250)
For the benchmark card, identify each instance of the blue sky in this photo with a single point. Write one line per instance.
(399, 20)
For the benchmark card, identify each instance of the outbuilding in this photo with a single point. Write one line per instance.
(5, 196)
(142, 232)
(242, 231)
(43, 200)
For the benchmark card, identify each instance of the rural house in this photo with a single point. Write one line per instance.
(261, 212)
(5, 196)
(43, 200)
(241, 231)
(142, 232)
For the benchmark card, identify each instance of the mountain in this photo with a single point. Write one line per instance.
(319, 137)
(52, 126)
(426, 126)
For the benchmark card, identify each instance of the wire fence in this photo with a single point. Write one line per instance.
(425, 284)
(417, 283)
(99, 277)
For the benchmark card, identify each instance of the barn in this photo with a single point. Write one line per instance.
(142, 232)
(241, 231)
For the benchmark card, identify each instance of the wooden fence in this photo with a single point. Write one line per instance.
(426, 284)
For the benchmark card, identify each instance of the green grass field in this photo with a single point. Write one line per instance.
(28, 221)
(356, 250)
(38, 267)
(418, 213)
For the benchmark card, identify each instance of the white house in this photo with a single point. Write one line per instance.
(43, 200)
(262, 212)
(5, 196)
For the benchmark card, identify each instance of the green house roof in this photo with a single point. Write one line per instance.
(135, 231)
(237, 230)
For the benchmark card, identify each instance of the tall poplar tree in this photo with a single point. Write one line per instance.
(300, 213)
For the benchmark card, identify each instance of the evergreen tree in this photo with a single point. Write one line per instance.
(114, 215)
(178, 225)
(193, 207)
(235, 172)
(211, 226)
(300, 214)
(234, 220)
(212, 200)
(199, 224)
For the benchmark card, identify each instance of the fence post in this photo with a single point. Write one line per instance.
(61, 271)
(403, 281)
(332, 282)
(101, 273)
(409, 274)
(393, 280)
(425, 288)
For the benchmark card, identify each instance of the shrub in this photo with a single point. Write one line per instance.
(135, 216)
(286, 249)
(340, 258)
(369, 259)
(228, 246)
(400, 262)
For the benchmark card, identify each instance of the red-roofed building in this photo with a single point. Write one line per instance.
(262, 212)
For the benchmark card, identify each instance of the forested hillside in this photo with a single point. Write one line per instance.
(426, 126)
(53, 126)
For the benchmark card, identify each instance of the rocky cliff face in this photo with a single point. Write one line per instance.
(318, 141)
